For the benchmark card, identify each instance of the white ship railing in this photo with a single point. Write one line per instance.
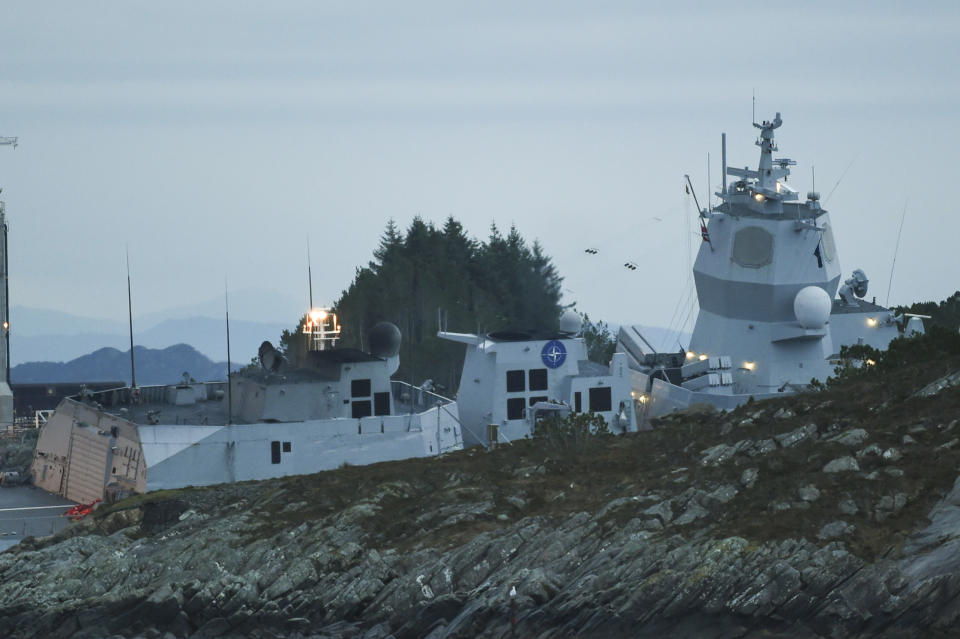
(408, 398)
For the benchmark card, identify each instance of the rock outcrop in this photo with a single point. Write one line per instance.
(764, 522)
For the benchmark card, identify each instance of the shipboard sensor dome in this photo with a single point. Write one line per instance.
(812, 307)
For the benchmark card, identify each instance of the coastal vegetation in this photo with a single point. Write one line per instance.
(429, 274)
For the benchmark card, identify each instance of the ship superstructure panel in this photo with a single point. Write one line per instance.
(510, 380)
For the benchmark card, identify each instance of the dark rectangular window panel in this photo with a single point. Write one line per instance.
(577, 402)
(360, 388)
(534, 400)
(515, 407)
(515, 382)
(286, 447)
(600, 399)
(274, 452)
(362, 408)
(381, 403)
(538, 379)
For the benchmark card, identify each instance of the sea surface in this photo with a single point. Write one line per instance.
(39, 522)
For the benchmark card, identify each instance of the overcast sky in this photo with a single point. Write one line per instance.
(213, 138)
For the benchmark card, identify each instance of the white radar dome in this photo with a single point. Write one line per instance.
(570, 322)
(812, 307)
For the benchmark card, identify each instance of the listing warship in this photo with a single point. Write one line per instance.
(773, 312)
(326, 407)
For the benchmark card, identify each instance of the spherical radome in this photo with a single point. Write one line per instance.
(384, 340)
(570, 322)
(812, 307)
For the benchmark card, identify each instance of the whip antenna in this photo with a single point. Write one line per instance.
(895, 250)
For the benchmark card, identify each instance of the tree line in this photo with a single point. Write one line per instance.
(503, 282)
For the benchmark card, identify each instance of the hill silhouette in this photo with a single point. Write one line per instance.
(154, 366)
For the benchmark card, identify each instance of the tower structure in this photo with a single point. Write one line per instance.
(766, 275)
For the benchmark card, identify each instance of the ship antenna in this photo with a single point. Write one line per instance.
(753, 116)
(694, 194)
(723, 154)
(226, 304)
(309, 274)
(709, 187)
(842, 175)
(895, 250)
(133, 368)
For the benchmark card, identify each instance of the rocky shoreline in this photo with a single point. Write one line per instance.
(823, 515)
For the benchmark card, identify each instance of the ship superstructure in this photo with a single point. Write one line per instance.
(767, 277)
(511, 379)
(333, 406)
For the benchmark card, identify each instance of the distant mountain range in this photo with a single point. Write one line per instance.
(39, 335)
(154, 366)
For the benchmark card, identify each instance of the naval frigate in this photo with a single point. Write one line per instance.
(325, 407)
(774, 314)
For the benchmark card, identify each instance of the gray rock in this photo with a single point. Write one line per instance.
(661, 511)
(848, 507)
(949, 445)
(517, 502)
(723, 494)
(783, 413)
(717, 455)
(796, 437)
(892, 455)
(762, 447)
(835, 529)
(841, 465)
(749, 477)
(693, 512)
(894, 471)
(852, 437)
(872, 450)
(890, 505)
(809, 493)
(908, 440)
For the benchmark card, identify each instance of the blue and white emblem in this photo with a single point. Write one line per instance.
(553, 354)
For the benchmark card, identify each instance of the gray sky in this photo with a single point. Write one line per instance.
(214, 137)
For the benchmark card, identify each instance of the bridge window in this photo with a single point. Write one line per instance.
(538, 379)
(600, 399)
(362, 409)
(381, 404)
(515, 381)
(360, 388)
(515, 407)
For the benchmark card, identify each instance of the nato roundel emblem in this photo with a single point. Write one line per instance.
(553, 354)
